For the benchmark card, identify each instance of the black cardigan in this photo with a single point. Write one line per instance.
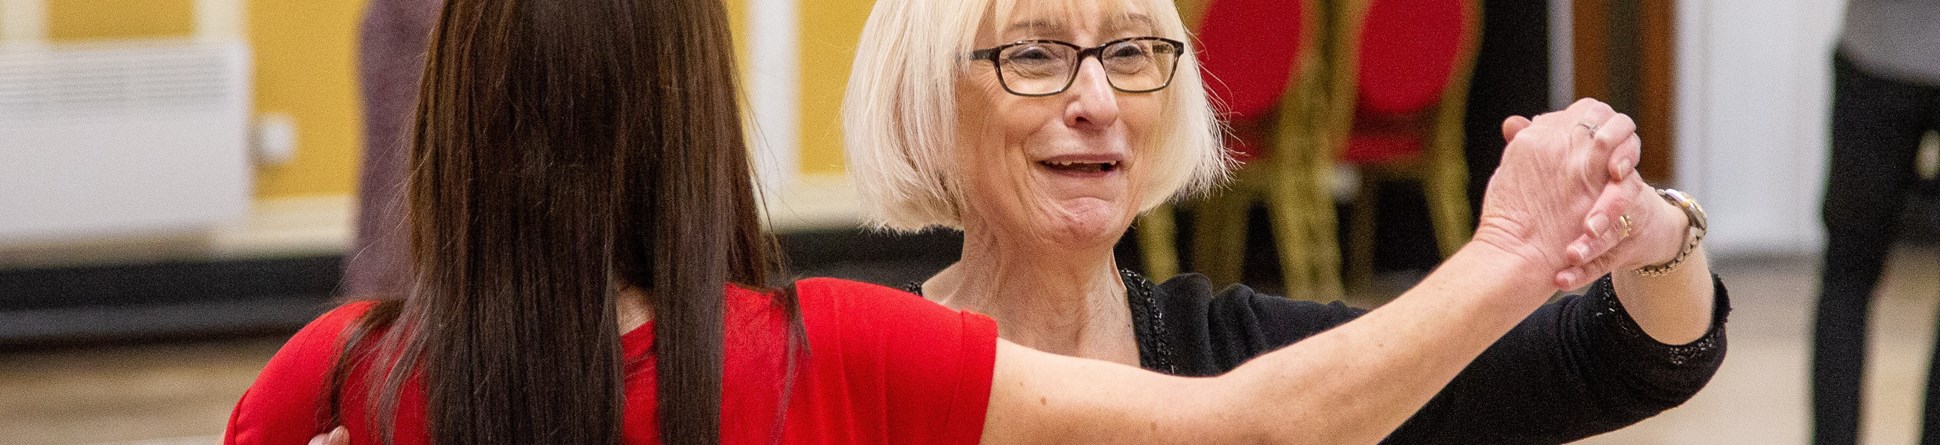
(1577, 367)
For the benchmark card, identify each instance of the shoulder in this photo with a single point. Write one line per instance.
(1214, 331)
(931, 364)
(319, 341)
(286, 403)
(1196, 294)
(867, 302)
(857, 310)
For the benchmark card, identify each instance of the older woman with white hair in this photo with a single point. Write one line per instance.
(1041, 128)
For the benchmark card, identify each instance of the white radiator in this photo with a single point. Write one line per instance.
(147, 138)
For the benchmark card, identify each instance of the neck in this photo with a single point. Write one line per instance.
(632, 309)
(1058, 300)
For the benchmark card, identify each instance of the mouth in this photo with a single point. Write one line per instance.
(1080, 167)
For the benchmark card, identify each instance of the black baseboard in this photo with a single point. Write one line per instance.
(90, 304)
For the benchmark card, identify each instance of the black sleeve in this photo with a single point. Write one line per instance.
(1210, 334)
(1575, 368)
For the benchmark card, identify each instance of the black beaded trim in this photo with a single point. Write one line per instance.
(1148, 321)
(1610, 309)
(1148, 324)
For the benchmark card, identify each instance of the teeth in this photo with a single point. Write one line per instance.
(1074, 164)
(1081, 166)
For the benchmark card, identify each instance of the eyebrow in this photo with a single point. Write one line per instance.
(1123, 22)
(1036, 26)
(1118, 23)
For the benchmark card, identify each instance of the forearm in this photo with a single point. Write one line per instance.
(1370, 375)
(1674, 308)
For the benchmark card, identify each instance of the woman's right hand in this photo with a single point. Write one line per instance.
(338, 436)
(1556, 174)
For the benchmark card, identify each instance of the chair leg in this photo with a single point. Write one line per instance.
(1447, 194)
(1219, 236)
(1290, 238)
(1323, 231)
(1360, 232)
(1309, 260)
(1158, 236)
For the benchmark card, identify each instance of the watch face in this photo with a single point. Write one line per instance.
(1690, 206)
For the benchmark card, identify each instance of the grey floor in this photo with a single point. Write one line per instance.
(182, 392)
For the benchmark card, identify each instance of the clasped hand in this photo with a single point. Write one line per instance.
(1568, 199)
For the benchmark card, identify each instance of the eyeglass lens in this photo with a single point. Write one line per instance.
(1039, 68)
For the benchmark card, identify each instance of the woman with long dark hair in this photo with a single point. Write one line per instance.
(587, 263)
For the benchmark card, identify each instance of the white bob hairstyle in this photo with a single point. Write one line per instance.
(899, 114)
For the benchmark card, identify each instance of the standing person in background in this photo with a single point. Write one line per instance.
(1886, 96)
(390, 44)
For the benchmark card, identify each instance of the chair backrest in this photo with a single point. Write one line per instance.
(1249, 51)
(1409, 51)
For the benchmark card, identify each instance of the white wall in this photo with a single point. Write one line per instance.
(774, 91)
(1753, 92)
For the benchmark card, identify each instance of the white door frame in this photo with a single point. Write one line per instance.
(1753, 91)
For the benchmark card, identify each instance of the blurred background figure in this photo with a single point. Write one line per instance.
(391, 43)
(1886, 100)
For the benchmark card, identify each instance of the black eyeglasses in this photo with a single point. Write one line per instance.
(1048, 67)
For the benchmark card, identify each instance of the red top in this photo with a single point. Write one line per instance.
(884, 367)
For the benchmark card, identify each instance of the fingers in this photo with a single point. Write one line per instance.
(1513, 125)
(1613, 131)
(1624, 160)
(338, 436)
(1605, 226)
(1585, 110)
(1577, 277)
(1590, 109)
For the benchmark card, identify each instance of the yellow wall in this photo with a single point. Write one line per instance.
(305, 68)
(829, 29)
(306, 65)
(69, 20)
(738, 25)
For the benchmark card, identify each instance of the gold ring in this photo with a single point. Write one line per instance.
(1623, 224)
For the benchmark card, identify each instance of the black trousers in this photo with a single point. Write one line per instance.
(1876, 129)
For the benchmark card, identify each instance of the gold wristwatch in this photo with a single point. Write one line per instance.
(1692, 235)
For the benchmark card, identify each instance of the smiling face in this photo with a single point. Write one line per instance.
(1061, 168)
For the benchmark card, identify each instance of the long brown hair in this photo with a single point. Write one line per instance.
(565, 150)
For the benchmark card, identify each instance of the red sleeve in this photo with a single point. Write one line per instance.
(924, 369)
(286, 404)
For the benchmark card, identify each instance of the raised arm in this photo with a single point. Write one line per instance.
(1357, 382)
(1351, 384)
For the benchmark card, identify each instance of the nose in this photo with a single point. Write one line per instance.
(1094, 104)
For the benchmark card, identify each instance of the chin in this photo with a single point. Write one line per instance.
(1086, 231)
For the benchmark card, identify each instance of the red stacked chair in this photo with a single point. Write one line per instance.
(1398, 106)
(1258, 57)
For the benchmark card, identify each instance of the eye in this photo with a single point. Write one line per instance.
(1127, 58)
(1128, 50)
(1031, 54)
(1037, 61)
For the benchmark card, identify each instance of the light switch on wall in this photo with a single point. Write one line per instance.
(274, 139)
